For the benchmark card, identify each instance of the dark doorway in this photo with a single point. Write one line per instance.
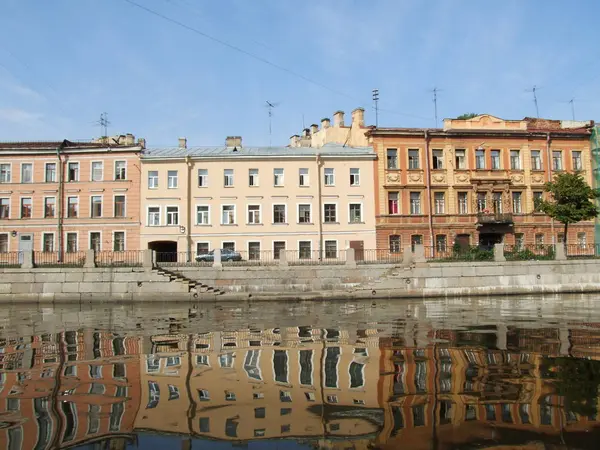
(463, 241)
(166, 251)
(359, 250)
(488, 240)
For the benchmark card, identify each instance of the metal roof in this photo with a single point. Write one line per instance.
(233, 152)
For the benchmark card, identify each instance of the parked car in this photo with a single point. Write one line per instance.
(226, 255)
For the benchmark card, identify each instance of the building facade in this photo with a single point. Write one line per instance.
(257, 200)
(475, 182)
(65, 197)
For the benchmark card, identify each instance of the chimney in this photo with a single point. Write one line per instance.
(129, 139)
(325, 123)
(338, 119)
(295, 141)
(306, 132)
(142, 142)
(314, 128)
(233, 141)
(358, 117)
(182, 142)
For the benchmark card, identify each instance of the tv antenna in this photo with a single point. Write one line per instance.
(572, 102)
(435, 91)
(376, 101)
(271, 106)
(535, 100)
(104, 123)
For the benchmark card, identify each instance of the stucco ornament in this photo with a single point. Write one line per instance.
(393, 177)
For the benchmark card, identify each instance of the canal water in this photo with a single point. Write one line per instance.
(518, 373)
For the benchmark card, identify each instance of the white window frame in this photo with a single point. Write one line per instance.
(230, 176)
(154, 178)
(278, 178)
(332, 169)
(67, 163)
(78, 206)
(309, 211)
(176, 178)
(208, 214)
(499, 160)
(124, 240)
(55, 172)
(53, 240)
(279, 240)
(221, 210)
(7, 241)
(21, 207)
(435, 203)
(148, 215)
(354, 176)
(477, 165)
(229, 242)
(101, 206)
(248, 248)
(32, 172)
(518, 166)
(92, 170)
(55, 206)
(337, 212)
(298, 247)
(466, 202)
(285, 207)
(410, 204)
(115, 170)
(303, 177)
(573, 153)
(259, 214)
(417, 159)
(337, 248)
(9, 206)
(115, 205)
(167, 216)
(435, 158)
(89, 246)
(520, 195)
(362, 212)
(254, 175)
(538, 158)
(66, 237)
(10, 172)
(465, 165)
(203, 176)
(201, 242)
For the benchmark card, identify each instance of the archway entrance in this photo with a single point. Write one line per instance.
(166, 251)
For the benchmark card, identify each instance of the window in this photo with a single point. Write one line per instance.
(496, 163)
(203, 395)
(252, 364)
(330, 213)
(536, 160)
(577, 163)
(515, 160)
(582, 239)
(481, 202)
(95, 242)
(416, 239)
(50, 173)
(280, 366)
(202, 215)
(120, 170)
(172, 179)
(332, 357)
(438, 159)
(355, 213)
(303, 179)
(119, 241)
(439, 201)
(304, 214)
(26, 173)
(357, 374)
(228, 177)
(330, 177)
(480, 159)
(519, 241)
(3, 243)
(202, 177)
(330, 249)
(96, 206)
(71, 242)
(227, 214)
(354, 177)
(73, 171)
(229, 246)
(306, 367)
(441, 243)
(539, 239)
(97, 169)
(172, 215)
(278, 247)
(49, 207)
(516, 202)
(538, 196)
(48, 242)
(204, 424)
(4, 173)
(557, 160)
(277, 177)
(304, 249)
(202, 248)
(226, 360)
(395, 243)
(4, 208)
(153, 179)
(279, 214)
(560, 238)
(393, 203)
(460, 160)
(252, 177)
(119, 206)
(153, 394)
(26, 208)
(153, 216)
(415, 203)
(253, 214)
(392, 158)
(463, 203)
(413, 159)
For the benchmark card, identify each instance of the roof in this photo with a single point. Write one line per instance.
(47, 145)
(44, 147)
(256, 152)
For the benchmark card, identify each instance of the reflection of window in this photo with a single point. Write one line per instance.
(231, 427)
(306, 367)
(116, 414)
(421, 376)
(173, 361)
(153, 394)
(490, 412)
(251, 364)
(471, 412)
(332, 357)
(357, 376)
(204, 424)
(524, 413)
(152, 364)
(202, 360)
(418, 412)
(203, 395)
(280, 365)
(226, 360)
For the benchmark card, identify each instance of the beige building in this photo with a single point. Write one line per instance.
(258, 201)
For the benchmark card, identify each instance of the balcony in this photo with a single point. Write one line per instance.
(495, 218)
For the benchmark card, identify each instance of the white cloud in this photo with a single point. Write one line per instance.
(19, 116)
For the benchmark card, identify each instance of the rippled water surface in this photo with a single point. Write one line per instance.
(518, 373)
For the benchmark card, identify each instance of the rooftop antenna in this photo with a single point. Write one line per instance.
(270, 106)
(572, 102)
(435, 90)
(535, 101)
(104, 123)
(376, 101)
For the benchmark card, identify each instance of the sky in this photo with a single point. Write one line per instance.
(205, 69)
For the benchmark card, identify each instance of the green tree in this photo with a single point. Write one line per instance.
(572, 200)
(467, 116)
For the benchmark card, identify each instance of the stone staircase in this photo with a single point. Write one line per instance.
(194, 287)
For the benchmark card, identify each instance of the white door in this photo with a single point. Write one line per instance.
(25, 245)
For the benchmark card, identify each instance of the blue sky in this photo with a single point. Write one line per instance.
(63, 62)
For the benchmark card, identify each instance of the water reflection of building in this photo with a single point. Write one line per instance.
(64, 389)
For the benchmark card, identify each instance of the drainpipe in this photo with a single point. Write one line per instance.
(59, 203)
(549, 157)
(188, 225)
(428, 181)
(320, 204)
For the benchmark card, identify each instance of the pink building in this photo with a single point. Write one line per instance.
(67, 197)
